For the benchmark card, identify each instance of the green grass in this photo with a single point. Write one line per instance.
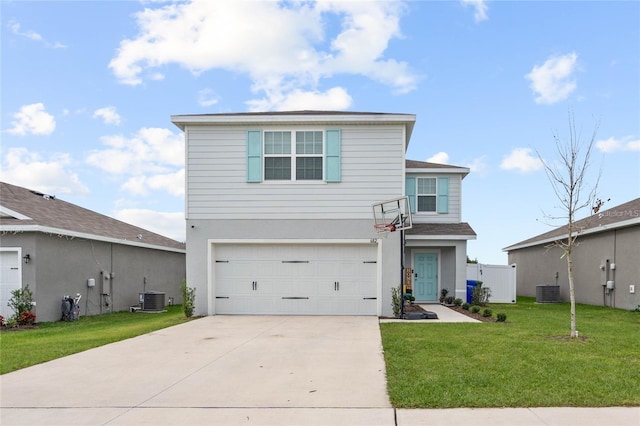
(525, 362)
(51, 340)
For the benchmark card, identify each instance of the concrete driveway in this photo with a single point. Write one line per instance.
(214, 370)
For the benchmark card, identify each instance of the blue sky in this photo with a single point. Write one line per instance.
(88, 88)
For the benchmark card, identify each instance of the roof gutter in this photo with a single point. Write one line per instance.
(73, 234)
(595, 230)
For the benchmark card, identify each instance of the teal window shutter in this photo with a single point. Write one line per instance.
(254, 156)
(443, 195)
(410, 191)
(332, 156)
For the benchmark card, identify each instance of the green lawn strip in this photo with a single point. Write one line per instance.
(20, 349)
(526, 362)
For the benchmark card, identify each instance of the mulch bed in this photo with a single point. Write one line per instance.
(478, 316)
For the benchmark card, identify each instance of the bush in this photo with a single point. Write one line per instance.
(466, 306)
(487, 313)
(1, 321)
(395, 300)
(188, 299)
(457, 302)
(501, 317)
(21, 301)
(475, 309)
(27, 318)
(480, 295)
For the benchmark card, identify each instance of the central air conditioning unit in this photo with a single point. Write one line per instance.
(152, 301)
(547, 293)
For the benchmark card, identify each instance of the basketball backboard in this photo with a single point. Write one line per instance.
(392, 215)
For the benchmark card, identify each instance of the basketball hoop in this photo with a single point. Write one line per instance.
(384, 227)
(391, 215)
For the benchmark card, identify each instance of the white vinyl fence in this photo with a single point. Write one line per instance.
(501, 279)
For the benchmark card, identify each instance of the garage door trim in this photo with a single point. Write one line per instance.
(211, 263)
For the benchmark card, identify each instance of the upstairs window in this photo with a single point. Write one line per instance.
(313, 155)
(427, 194)
(293, 155)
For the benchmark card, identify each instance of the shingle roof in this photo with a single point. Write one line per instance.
(612, 218)
(413, 164)
(48, 213)
(441, 229)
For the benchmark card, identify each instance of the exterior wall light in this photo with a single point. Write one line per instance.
(27, 258)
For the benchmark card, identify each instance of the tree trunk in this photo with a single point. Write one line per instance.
(572, 296)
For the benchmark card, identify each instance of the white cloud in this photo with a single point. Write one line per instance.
(335, 98)
(108, 114)
(522, 160)
(168, 224)
(478, 166)
(612, 144)
(50, 176)
(439, 158)
(283, 47)
(206, 98)
(480, 7)
(15, 28)
(173, 183)
(151, 159)
(553, 81)
(33, 119)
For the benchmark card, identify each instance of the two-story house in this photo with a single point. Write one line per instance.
(279, 213)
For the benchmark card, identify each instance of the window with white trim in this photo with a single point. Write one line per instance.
(293, 155)
(427, 194)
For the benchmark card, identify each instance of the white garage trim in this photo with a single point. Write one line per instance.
(10, 277)
(211, 264)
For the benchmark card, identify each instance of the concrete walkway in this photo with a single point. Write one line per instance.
(245, 370)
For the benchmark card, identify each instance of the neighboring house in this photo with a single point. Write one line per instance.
(607, 250)
(279, 213)
(58, 249)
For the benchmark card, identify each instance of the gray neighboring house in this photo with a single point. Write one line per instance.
(279, 213)
(59, 249)
(608, 250)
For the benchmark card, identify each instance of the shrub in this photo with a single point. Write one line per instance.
(480, 295)
(475, 309)
(457, 302)
(188, 299)
(487, 313)
(466, 306)
(443, 294)
(449, 300)
(1, 321)
(501, 317)
(21, 301)
(395, 300)
(27, 318)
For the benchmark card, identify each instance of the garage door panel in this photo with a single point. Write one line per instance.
(296, 279)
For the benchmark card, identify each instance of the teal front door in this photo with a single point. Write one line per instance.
(425, 277)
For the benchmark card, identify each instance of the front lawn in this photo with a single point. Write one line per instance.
(51, 340)
(526, 362)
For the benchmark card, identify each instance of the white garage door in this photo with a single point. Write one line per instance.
(296, 279)
(10, 279)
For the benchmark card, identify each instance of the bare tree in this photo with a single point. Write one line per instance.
(568, 178)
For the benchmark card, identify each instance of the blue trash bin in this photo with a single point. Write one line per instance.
(471, 284)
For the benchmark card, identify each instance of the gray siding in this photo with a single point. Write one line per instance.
(61, 266)
(372, 170)
(538, 265)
